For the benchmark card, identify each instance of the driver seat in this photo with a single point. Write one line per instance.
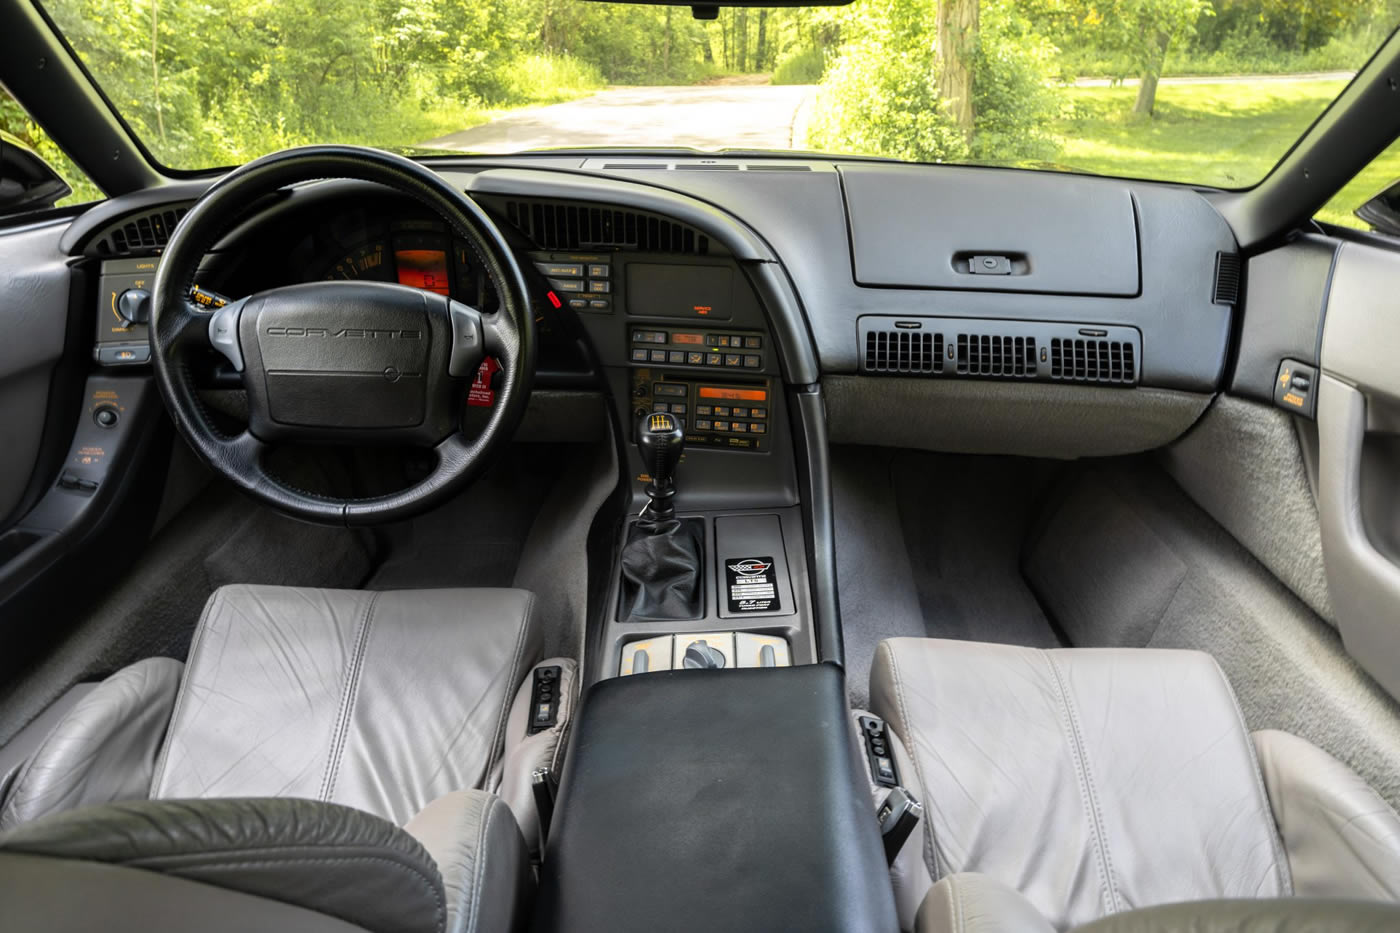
(379, 701)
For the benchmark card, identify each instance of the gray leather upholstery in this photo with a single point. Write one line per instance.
(380, 701)
(1091, 781)
(1341, 838)
(103, 749)
(1291, 915)
(476, 844)
(969, 902)
(330, 859)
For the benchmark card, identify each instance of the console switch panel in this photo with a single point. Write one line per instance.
(544, 699)
(875, 734)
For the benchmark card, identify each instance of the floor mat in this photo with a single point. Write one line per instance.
(929, 545)
(475, 539)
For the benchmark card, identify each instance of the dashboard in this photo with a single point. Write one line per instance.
(1102, 307)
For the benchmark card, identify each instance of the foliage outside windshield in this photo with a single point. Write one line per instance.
(1204, 91)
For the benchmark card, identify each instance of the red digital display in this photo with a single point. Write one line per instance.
(423, 268)
(734, 395)
(692, 339)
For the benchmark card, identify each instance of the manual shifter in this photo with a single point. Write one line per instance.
(661, 562)
(661, 441)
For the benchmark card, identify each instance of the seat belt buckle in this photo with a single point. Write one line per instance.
(898, 816)
(543, 786)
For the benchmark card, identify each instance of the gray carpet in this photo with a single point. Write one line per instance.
(928, 545)
(1127, 559)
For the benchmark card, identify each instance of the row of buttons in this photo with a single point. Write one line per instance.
(729, 341)
(728, 411)
(727, 427)
(590, 304)
(697, 358)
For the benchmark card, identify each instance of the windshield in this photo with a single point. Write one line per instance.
(1210, 92)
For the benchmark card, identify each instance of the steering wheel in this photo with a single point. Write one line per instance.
(343, 362)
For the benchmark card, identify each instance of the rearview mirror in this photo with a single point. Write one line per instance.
(709, 9)
(1383, 211)
(27, 182)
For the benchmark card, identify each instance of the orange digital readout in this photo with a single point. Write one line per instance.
(734, 395)
(696, 339)
(423, 268)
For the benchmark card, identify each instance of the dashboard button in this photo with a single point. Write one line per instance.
(578, 304)
(722, 411)
(678, 408)
(758, 413)
(599, 271)
(704, 410)
(753, 343)
(639, 355)
(758, 428)
(721, 425)
(599, 304)
(752, 362)
(658, 356)
(564, 270)
(703, 424)
(739, 427)
(600, 287)
(128, 356)
(714, 359)
(676, 356)
(736, 341)
(660, 406)
(695, 359)
(732, 359)
(741, 413)
(566, 285)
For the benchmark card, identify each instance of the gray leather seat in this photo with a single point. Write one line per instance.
(1068, 785)
(385, 702)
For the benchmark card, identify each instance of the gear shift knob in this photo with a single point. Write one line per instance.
(661, 440)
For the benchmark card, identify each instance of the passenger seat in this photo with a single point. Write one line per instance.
(1067, 785)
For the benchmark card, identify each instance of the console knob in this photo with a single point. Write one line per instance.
(134, 306)
(703, 655)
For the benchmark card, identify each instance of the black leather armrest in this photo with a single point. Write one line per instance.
(715, 800)
(324, 857)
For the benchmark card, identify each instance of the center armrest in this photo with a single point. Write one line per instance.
(715, 800)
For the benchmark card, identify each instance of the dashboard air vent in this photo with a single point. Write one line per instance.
(1089, 360)
(1227, 278)
(903, 351)
(978, 348)
(141, 234)
(996, 355)
(567, 226)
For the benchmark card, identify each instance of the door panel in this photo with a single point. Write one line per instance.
(34, 283)
(1358, 422)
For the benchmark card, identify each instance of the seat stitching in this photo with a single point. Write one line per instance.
(347, 700)
(498, 737)
(1089, 796)
(930, 850)
(439, 907)
(1281, 867)
(955, 900)
(201, 628)
(479, 866)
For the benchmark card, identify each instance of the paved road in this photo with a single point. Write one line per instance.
(705, 117)
(723, 116)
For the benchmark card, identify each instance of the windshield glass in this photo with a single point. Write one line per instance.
(1205, 91)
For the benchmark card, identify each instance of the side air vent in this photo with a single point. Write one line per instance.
(1088, 360)
(1227, 278)
(991, 349)
(568, 226)
(903, 351)
(141, 234)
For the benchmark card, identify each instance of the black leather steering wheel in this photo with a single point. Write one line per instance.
(343, 362)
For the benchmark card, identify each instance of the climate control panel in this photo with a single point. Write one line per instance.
(691, 349)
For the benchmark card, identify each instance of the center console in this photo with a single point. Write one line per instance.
(701, 800)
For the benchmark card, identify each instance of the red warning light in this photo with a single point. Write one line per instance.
(554, 299)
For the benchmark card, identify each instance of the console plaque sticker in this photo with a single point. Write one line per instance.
(750, 585)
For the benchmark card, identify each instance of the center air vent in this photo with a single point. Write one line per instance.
(140, 235)
(990, 349)
(580, 226)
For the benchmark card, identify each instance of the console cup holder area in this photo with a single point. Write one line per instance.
(705, 651)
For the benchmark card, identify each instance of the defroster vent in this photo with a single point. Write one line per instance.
(580, 226)
(992, 349)
(1227, 278)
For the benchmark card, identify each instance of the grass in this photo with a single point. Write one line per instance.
(1228, 135)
